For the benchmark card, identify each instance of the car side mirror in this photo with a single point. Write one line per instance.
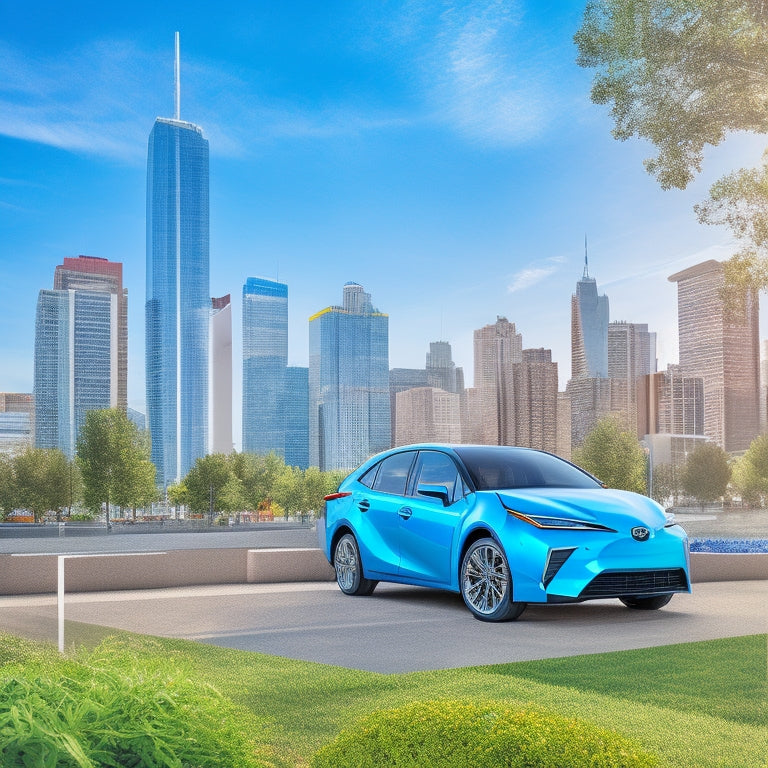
(435, 492)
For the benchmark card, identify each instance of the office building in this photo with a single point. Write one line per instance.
(297, 417)
(91, 273)
(589, 329)
(17, 419)
(669, 402)
(441, 370)
(535, 400)
(349, 409)
(76, 363)
(265, 359)
(178, 296)
(220, 376)
(720, 345)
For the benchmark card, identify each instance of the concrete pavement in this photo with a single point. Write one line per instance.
(397, 629)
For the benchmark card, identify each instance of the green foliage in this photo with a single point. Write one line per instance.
(665, 483)
(706, 473)
(683, 74)
(114, 708)
(41, 480)
(456, 734)
(114, 460)
(206, 481)
(614, 455)
(750, 472)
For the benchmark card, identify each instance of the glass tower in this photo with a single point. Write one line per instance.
(178, 297)
(589, 330)
(265, 359)
(349, 409)
(297, 417)
(76, 362)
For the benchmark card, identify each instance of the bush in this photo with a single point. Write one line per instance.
(114, 709)
(456, 734)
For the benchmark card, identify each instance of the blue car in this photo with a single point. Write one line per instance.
(503, 526)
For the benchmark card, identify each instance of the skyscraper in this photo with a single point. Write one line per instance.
(589, 329)
(221, 375)
(427, 414)
(496, 348)
(76, 362)
(297, 417)
(178, 296)
(91, 273)
(349, 413)
(265, 359)
(535, 400)
(721, 346)
(631, 348)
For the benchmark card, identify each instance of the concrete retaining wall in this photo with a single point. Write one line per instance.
(37, 574)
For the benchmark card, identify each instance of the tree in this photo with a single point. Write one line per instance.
(706, 473)
(665, 484)
(114, 460)
(258, 473)
(683, 74)
(614, 455)
(44, 480)
(205, 482)
(750, 472)
(7, 486)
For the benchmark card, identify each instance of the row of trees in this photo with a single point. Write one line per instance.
(246, 481)
(112, 468)
(615, 455)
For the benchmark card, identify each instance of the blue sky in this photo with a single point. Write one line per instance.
(445, 155)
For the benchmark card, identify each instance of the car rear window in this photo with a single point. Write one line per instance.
(494, 468)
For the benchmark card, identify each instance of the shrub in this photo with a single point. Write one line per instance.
(457, 734)
(113, 709)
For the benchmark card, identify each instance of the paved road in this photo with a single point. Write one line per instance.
(261, 537)
(398, 629)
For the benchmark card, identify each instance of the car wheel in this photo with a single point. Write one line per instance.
(646, 603)
(486, 583)
(349, 568)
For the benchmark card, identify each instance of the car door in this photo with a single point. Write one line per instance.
(378, 527)
(428, 525)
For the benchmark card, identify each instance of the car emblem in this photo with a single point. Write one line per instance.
(640, 533)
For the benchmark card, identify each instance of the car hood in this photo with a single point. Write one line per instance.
(609, 507)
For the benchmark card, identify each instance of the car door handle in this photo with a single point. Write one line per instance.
(364, 505)
(405, 512)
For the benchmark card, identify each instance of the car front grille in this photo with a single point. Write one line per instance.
(620, 583)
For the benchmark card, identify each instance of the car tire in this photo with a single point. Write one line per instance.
(646, 603)
(349, 568)
(486, 583)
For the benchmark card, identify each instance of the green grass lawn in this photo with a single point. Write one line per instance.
(694, 704)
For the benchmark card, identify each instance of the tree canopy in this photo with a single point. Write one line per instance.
(706, 473)
(684, 74)
(614, 455)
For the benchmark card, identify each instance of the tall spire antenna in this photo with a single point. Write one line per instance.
(177, 81)
(586, 260)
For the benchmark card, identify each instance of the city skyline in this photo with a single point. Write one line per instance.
(449, 162)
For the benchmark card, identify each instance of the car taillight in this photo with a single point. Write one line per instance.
(338, 495)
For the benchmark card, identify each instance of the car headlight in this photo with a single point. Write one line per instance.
(559, 523)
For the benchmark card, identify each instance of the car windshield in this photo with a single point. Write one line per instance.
(493, 468)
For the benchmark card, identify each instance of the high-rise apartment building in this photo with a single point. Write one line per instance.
(589, 329)
(720, 345)
(428, 414)
(496, 348)
(76, 362)
(220, 375)
(349, 409)
(631, 348)
(178, 296)
(265, 360)
(535, 400)
(669, 402)
(91, 273)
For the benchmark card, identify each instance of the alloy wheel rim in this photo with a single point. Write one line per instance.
(346, 564)
(485, 579)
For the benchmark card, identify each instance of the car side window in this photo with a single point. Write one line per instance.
(369, 477)
(437, 468)
(393, 473)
